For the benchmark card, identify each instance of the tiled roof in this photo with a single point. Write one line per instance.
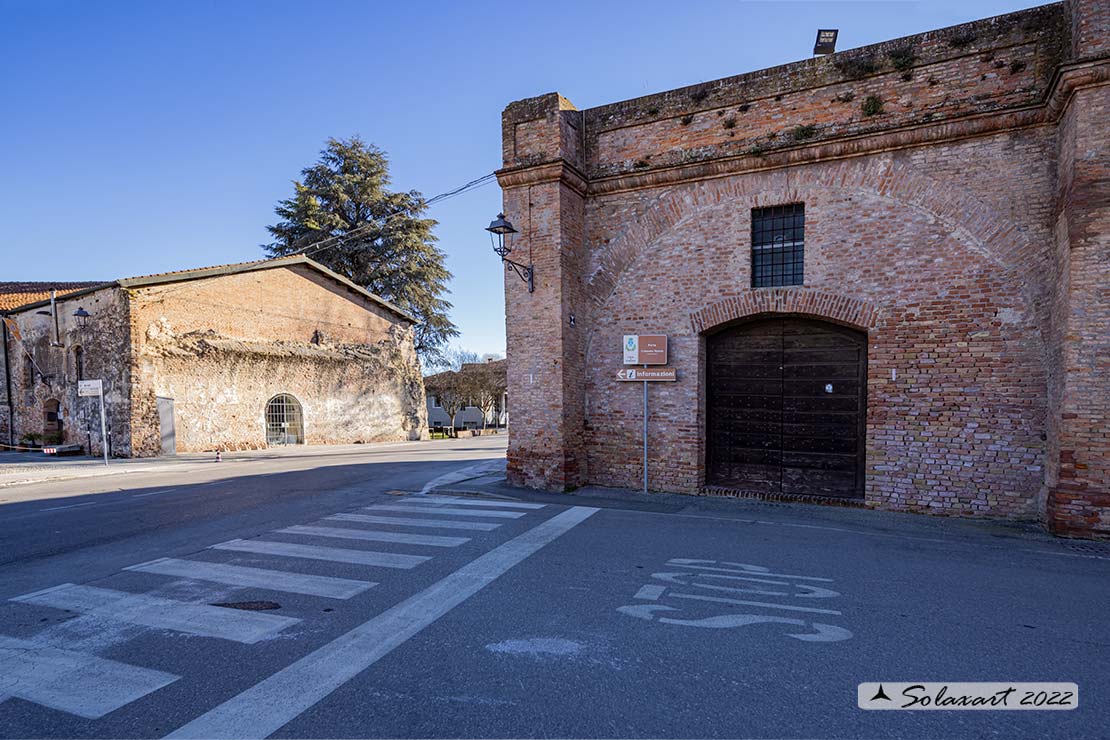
(16, 294)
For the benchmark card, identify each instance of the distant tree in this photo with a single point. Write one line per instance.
(448, 392)
(483, 384)
(385, 244)
(453, 358)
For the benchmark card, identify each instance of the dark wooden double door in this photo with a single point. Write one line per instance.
(786, 408)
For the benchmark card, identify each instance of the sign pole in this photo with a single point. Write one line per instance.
(645, 436)
(95, 388)
(103, 430)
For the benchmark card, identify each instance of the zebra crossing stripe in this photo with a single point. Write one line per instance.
(441, 510)
(73, 682)
(431, 498)
(401, 538)
(266, 707)
(159, 613)
(315, 552)
(272, 580)
(406, 522)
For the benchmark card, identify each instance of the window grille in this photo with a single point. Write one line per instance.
(778, 253)
(284, 421)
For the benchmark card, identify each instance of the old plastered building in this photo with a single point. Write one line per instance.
(242, 356)
(883, 274)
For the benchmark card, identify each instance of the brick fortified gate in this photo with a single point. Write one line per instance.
(941, 198)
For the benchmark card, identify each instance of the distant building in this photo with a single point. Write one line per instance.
(883, 274)
(241, 356)
(469, 415)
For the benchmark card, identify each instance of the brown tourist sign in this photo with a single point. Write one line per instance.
(647, 374)
(645, 349)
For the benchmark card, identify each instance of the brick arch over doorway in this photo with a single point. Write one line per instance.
(841, 309)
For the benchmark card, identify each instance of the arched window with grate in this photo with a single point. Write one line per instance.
(284, 421)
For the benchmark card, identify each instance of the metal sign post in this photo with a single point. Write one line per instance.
(96, 388)
(645, 349)
(645, 433)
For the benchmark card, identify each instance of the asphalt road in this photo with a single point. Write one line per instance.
(594, 615)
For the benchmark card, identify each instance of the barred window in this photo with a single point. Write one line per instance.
(778, 254)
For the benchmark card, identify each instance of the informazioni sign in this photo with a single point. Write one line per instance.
(647, 374)
(645, 349)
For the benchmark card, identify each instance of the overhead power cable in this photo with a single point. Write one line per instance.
(333, 241)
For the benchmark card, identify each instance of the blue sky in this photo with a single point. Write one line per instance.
(140, 137)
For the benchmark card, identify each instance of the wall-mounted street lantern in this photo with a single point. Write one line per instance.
(82, 317)
(498, 229)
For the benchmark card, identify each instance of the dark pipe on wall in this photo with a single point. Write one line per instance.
(8, 384)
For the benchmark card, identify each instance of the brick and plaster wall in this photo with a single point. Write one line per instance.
(961, 224)
(222, 347)
(103, 342)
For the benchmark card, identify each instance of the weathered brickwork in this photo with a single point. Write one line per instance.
(1080, 497)
(221, 346)
(961, 226)
(43, 368)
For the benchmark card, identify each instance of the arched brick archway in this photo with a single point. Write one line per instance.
(950, 308)
(837, 308)
(987, 231)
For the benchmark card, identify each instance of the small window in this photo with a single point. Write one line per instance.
(778, 237)
(79, 362)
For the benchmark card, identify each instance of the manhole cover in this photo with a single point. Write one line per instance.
(250, 606)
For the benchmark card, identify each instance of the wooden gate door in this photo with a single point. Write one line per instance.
(786, 408)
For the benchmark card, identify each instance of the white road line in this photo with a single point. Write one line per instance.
(73, 682)
(159, 613)
(315, 552)
(402, 538)
(153, 493)
(471, 471)
(432, 498)
(406, 522)
(742, 602)
(272, 580)
(1068, 554)
(70, 506)
(651, 592)
(445, 510)
(264, 708)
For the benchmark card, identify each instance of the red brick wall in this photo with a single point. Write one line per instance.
(1079, 501)
(938, 225)
(958, 429)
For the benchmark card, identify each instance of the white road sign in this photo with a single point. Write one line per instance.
(90, 387)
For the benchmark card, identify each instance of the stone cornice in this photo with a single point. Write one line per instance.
(558, 170)
(1068, 79)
